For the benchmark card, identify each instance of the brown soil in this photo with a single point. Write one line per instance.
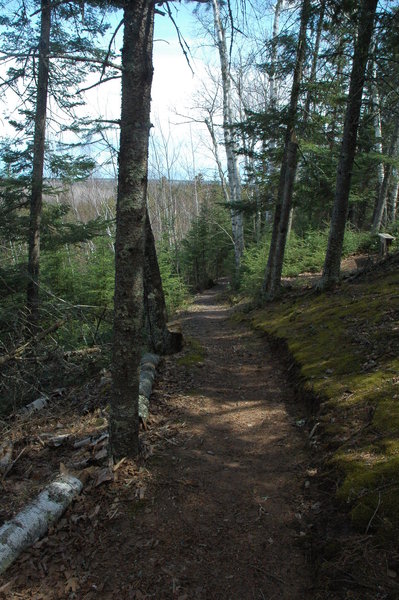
(215, 508)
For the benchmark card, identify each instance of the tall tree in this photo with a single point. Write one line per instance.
(332, 263)
(382, 198)
(50, 66)
(38, 163)
(234, 182)
(137, 71)
(274, 267)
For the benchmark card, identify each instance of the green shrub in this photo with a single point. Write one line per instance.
(303, 254)
(174, 289)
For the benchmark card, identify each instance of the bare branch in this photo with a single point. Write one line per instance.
(99, 82)
(182, 42)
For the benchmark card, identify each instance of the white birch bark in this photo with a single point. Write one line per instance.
(393, 196)
(377, 127)
(230, 146)
(380, 215)
(148, 366)
(33, 521)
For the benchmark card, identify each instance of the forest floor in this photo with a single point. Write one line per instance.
(219, 505)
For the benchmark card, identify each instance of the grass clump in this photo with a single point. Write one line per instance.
(194, 355)
(346, 344)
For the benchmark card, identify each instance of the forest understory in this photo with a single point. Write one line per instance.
(228, 500)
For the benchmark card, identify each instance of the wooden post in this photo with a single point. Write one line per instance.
(385, 241)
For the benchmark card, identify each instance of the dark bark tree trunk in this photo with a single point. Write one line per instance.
(290, 173)
(285, 188)
(38, 166)
(137, 71)
(331, 270)
(159, 338)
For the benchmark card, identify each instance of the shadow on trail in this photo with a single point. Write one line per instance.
(235, 492)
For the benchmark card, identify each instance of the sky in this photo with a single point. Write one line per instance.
(178, 140)
(174, 86)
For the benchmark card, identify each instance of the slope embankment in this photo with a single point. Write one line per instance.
(344, 347)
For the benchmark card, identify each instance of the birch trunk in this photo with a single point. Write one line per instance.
(32, 522)
(377, 128)
(137, 71)
(332, 263)
(38, 165)
(393, 196)
(229, 142)
(381, 208)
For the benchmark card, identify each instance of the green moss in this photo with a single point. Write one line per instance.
(346, 344)
(194, 355)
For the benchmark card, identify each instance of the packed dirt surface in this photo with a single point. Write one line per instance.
(214, 509)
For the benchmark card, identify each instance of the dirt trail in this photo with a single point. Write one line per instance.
(219, 515)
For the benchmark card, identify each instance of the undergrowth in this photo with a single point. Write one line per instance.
(303, 254)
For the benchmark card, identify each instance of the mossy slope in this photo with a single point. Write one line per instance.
(346, 344)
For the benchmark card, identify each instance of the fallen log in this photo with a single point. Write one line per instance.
(34, 406)
(32, 522)
(148, 365)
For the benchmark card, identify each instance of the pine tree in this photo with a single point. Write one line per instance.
(331, 270)
(137, 70)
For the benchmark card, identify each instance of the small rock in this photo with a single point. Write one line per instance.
(391, 573)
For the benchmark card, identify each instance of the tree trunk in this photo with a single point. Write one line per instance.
(31, 523)
(270, 167)
(381, 207)
(331, 270)
(377, 133)
(393, 196)
(285, 188)
(315, 58)
(286, 205)
(229, 142)
(273, 57)
(137, 71)
(38, 165)
(159, 338)
(210, 126)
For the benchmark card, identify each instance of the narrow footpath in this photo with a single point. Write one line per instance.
(219, 512)
(227, 511)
